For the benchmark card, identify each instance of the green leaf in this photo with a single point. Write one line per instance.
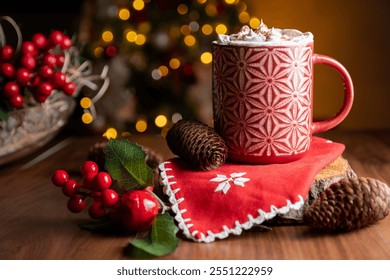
(4, 115)
(161, 239)
(125, 161)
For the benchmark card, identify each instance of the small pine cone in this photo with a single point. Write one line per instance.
(197, 143)
(349, 204)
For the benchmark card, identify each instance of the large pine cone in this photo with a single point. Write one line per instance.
(197, 143)
(349, 204)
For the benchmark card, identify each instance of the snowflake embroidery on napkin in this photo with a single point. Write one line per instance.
(224, 184)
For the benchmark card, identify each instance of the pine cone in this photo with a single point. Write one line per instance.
(349, 204)
(197, 143)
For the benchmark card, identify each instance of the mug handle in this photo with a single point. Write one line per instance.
(324, 125)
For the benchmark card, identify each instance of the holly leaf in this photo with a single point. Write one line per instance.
(161, 239)
(4, 115)
(125, 161)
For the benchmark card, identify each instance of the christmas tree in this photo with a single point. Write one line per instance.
(160, 42)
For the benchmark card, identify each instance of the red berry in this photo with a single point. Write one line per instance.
(89, 166)
(138, 209)
(40, 98)
(39, 40)
(59, 178)
(60, 60)
(69, 88)
(76, 204)
(46, 71)
(7, 52)
(29, 48)
(70, 188)
(34, 81)
(96, 210)
(49, 59)
(23, 76)
(109, 198)
(59, 79)
(102, 181)
(45, 88)
(16, 101)
(88, 180)
(56, 37)
(11, 89)
(28, 61)
(66, 42)
(7, 70)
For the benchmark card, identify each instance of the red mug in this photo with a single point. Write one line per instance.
(262, 100)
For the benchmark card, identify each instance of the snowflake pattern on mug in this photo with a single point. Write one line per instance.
(262, 98)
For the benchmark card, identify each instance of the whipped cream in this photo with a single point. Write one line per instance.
(265, 36)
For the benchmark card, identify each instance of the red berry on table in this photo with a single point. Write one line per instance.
(66, 42)
(60, 59)
(89, 166)
(76, 203)
(46, 71)
(70, 188)
(28, 61)
(58, 79)
(45, 88)
(7, 70)
(39, 40)
(96, 210)
(69, 88)
(7, 52)
(88, 180)
(109, 198)
(10, 89)
(23, 76)
(102, 181)
(16, 101)
(59, 177)
(138, 208)
(56, 37)
(29, 48)
(49, 59)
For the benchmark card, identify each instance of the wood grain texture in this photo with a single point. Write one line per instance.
(35, 224)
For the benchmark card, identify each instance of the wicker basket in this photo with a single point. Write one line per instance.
(30, 128)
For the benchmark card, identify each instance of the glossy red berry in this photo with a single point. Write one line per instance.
(49, 59)
(70, 188)
(60, 60)
(6, 52)
(69, 88)
(66, 42)
(40, 98)
(88, 180)
(138, 208)
(29, 48)
(76, 203)
(89, 166)
(96, 210)
(59, 177)
(56, 37)
(28, 61)
(39, 40)
(58, 79)
(45, 88)
(109, 198)
(23, 76)
(11, 89)
(102, 181)
(16, 101)
(46, 71)
(7, 70)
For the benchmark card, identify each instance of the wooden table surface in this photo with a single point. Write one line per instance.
(35, 224)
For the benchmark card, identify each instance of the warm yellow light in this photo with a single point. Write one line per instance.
(87, 118)
(174, 63)
(131, 36)
(141, 125)
(110, 133)
(207, 29)
(206, 57)
(85, 102)
(124, 14)
(140, 39)
(98, 52)
(161, 121)
(138, 5)
(221, 28)
(107, 36)
(211, 10)
(230, 2)
(189, 40)
(243, 17)
(185, 29)
(254, 23)
(163, 70)
(201, 1)
(182, 9)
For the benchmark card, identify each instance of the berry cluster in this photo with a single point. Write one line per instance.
(135, 210)
(36, 68)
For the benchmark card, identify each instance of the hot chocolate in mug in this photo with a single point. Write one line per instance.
(263, 94)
